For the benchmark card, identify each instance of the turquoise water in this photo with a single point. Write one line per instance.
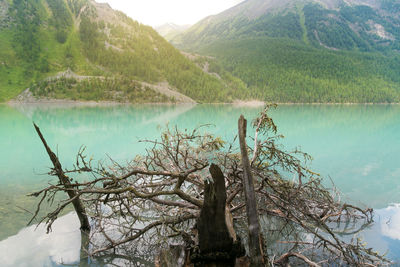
(357, 146)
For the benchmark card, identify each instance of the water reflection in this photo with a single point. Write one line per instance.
(356, 145)
(384, 234)
(63, 246)
(33, 247)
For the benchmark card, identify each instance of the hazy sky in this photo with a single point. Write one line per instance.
(158, 12)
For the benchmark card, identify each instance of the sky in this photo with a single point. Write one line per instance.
(181, 12)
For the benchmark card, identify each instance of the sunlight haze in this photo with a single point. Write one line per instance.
(181, 12)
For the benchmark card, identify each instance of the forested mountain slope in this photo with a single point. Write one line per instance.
(306, 50)
(111, 56)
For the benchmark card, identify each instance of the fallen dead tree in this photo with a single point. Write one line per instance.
(187, 190)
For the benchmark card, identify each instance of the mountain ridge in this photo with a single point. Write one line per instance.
(170, 30)
(364, 22)
(272, 46)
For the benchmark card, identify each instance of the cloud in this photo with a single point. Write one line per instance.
(390, 225)
(367, 169)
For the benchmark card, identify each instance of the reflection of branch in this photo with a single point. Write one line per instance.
(285, 257)
(113, 256)
(84, 251)
(146, 229)
(301, 204)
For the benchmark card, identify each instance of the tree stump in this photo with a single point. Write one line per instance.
(216, 246)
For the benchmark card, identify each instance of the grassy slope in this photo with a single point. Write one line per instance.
(302, 20)
(17, 74)
(11, 75)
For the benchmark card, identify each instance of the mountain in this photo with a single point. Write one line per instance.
(363, 25)
(170, 30)
(83, 50)
(306, 50)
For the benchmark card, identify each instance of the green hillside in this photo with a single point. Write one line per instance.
(304, 51)
(282, 70)
(43, 38)
(33, 47)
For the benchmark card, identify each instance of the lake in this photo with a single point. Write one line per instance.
(355, 146)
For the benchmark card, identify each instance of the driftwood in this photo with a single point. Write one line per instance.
(255, 238)
(65, 181)
(156, 199)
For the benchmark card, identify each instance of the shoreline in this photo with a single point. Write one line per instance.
(236, 103)
(83, 103)
(27, 98)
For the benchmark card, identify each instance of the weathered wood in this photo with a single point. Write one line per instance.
(64, 180)
(212, 229)
(216, 245)
(255, 238)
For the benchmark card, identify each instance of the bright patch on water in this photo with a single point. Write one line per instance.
(33, 247)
